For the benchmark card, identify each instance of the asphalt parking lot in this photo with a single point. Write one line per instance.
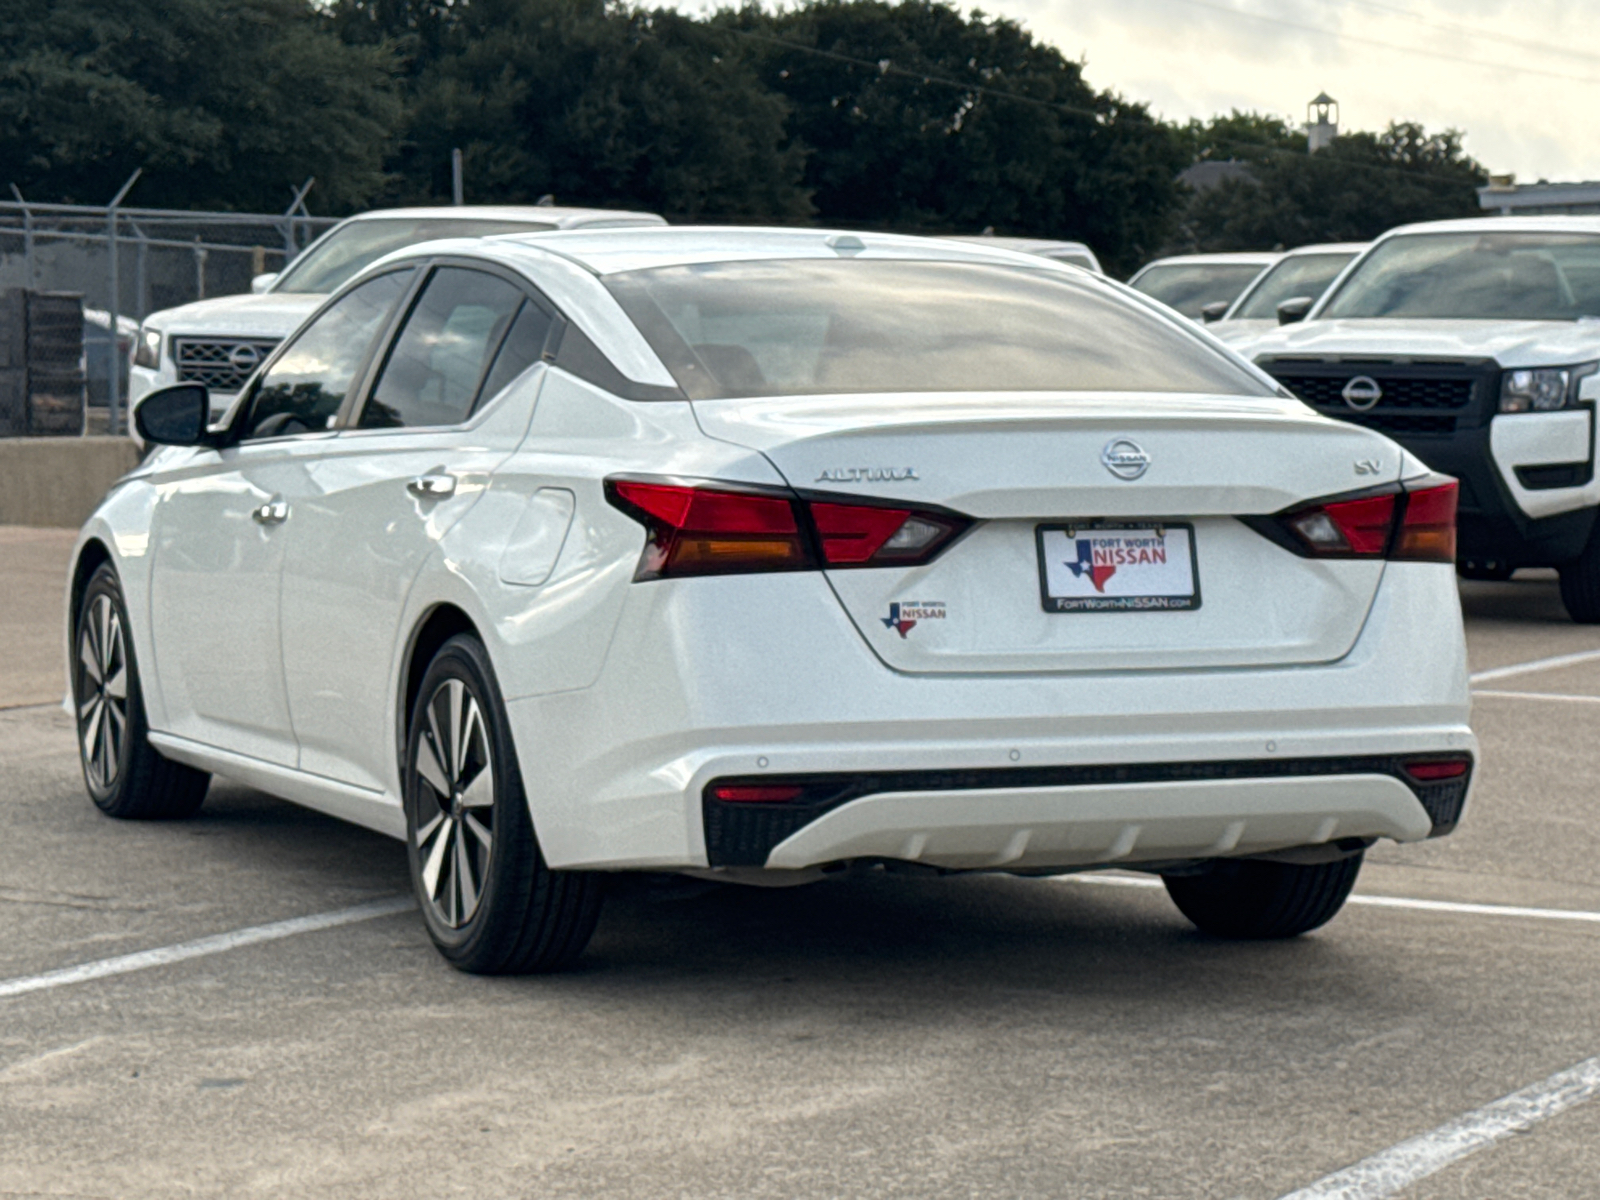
(866, 1036)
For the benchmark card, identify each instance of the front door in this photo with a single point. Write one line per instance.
(219, 531)
(451, 401)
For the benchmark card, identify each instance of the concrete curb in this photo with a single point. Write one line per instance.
(57, 482)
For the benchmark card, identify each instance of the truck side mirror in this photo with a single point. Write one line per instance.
(1215, 311)
(1295, 309)
(261, 283)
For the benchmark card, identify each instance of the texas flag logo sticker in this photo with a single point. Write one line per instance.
(904, 615)
(1097, 571)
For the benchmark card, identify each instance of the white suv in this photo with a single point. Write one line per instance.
(1476, 345)
(220, 342)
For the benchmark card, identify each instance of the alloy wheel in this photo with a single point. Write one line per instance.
(102, 692)
(454, 797)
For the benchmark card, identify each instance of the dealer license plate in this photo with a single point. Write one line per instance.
(1111, 566)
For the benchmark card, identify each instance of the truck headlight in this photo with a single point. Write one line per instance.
(147, 351)
(1542, 389)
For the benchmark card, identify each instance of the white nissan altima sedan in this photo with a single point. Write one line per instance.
(760, 553)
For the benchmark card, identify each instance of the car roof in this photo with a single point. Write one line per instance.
(1327, 248)
(607, 252)
(545, 214)
(1509, 224)
(1247, 258)
(1031, 245)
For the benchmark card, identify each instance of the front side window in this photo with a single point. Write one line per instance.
(1511, 276)
(1303, 275)
(445, 350)
(350, 249)
(301, 392)
(807, 326)
(1190, 287)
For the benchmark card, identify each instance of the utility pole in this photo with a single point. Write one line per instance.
(455, 177)
(114, 376)
(27, 239)
(291, 245)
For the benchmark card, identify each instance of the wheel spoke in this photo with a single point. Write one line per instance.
(88, 655)
(439, 744)
(117, 685)
(469, 890)
(454, 689)
(86, 713)
(103, 614)
(428, 767)
(426, 831)
(478, 830)
(480, 792)
(430, 871)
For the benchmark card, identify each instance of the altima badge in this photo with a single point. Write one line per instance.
(1125, 459)
(867, 475)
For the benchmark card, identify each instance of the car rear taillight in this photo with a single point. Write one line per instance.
(1415, 522)
(721, 529)
(1432, 770)
(756, 794)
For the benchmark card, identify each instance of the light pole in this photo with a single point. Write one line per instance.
(114, 376)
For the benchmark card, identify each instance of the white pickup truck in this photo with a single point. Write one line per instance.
(219, 342)
(1475, 344)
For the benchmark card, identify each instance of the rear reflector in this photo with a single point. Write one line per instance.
(750, 794)
(1431, 770)
(1415, 522)
(699, 529)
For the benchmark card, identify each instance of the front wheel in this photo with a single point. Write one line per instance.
(491, 904)
(1245, 898)
(127, 777)
(1580, 583)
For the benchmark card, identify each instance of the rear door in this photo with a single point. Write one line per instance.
(1064, 487)
(449, 400)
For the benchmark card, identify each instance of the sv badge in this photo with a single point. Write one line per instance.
(1368, 466)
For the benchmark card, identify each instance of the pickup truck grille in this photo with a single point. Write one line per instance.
(222, 364)
(1427, 399)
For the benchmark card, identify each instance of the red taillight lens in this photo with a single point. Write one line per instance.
(1431, 770)
(866, 535)
(1416, 522)
(751, 794)
(709, 531)
(716, 530)
(1428, 528)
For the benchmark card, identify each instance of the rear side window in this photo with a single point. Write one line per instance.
(807, 326)
(523, 346)
(302, 391)
(444, 350)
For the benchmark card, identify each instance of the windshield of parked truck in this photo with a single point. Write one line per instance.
(1189, 287)
(808, 326)
(1303, 275)
(351, 248)
(1511, 276)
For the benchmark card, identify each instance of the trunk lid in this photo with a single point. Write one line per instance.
(1017, 463)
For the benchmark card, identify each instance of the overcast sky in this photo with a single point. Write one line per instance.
(1520, 77)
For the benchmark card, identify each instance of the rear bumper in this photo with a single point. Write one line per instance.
(764, 676)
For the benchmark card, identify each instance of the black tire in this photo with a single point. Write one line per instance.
(126, 776)
(491, 904)
(1242, 898)
(1580, 584)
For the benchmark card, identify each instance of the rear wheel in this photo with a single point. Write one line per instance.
(126, 776)
(1243, 898)
(491, 904)
(1580, 584)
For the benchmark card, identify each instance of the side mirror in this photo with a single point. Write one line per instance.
(261, 283)
(1215, 311)
(176, 415)
(1295, 309)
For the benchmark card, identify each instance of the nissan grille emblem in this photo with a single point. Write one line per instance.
(1362, 392)
(243, 358)
(1125, 459)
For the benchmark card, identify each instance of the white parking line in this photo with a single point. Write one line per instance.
(1400, 1166)
(1444, 906)
(1570, 699)
(1538, 664)
(200, 947)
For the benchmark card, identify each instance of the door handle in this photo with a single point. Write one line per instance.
(273, 512)
(435, 485)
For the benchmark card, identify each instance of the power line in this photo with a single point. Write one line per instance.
(1415, 51)
(886, 66)
(1474, 31)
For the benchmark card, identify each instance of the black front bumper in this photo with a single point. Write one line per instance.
(1440, 410)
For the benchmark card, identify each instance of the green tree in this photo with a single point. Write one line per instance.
(1352, 190)
(915, 117)
(594, 103)
(224, 103)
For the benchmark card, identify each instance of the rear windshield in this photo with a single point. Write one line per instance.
(806, 327)
(350, 249)
(1476, 276)
(1303, 275)
(1189, 287)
